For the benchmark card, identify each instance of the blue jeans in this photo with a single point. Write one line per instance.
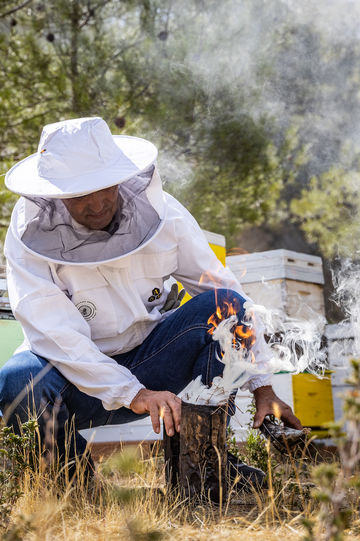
(178, 350)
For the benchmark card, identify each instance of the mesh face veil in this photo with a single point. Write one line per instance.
(53, 233)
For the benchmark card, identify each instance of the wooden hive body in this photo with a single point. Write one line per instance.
(282, 279)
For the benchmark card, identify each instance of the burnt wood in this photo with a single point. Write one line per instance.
(196, 459)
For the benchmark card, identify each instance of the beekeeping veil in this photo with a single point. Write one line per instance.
(75, 158)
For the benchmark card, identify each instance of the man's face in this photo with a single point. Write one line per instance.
(95, 210)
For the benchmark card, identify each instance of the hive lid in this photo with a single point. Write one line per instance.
(4, 299)
(277, 264)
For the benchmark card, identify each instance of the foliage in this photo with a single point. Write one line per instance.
(239, 96)
(256, 452)
(328, 211)
(210, 92)
(338, 483)
(57, 61)
(231, 442)
(17, 453)
(139, 532)
(125, 463)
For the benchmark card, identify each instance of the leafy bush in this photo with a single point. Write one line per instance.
(255, 452)
(338, 484)
(16, 456)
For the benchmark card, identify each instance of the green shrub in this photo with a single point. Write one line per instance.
(16, 456)
(338, 484)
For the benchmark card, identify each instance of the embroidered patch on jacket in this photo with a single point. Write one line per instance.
(87, 309)
(156, 294)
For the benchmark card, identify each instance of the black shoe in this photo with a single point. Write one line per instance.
(247, 477)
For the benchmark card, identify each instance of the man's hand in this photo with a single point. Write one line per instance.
(268, 403)
(159, 404)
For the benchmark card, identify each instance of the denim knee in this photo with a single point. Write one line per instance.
(16, 374)
(231, 297)
(223, 298)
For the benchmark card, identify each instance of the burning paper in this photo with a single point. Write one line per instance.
(198, 393)
(238, 361)
(293, 346)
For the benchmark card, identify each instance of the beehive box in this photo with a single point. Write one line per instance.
(282, 279)
(340, 339)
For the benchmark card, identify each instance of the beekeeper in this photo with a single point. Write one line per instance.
(91, 246)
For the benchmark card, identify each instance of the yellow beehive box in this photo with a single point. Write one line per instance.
(313, 401)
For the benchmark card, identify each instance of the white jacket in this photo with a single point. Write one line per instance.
(79, 315)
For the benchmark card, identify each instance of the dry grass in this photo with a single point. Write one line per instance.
(129, 501)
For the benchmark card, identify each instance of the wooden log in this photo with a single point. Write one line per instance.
(171, 455)
(196, 461)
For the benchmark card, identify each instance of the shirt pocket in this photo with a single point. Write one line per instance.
(90, 292)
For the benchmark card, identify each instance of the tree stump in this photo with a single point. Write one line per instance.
(172, 452)
(196, 459)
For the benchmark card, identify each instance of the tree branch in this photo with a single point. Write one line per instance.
(42, 113)
(115, 55)
(13, 10)
(94, 8)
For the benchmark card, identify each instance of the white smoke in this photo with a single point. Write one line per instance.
(292, 62)
(347, 284)
(294, 345)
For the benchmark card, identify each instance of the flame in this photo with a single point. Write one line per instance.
(276, 410)
(243, 335)
(212, 278)
(162, 412)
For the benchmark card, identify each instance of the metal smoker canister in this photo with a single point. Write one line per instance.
(196, 458)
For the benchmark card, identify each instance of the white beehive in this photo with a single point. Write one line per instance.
(340, 341)
(4, 299)
(282, 279)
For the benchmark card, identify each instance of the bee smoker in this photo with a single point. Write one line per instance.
(195, 458)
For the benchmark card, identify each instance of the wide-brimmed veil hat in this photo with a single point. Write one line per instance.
(77, 157)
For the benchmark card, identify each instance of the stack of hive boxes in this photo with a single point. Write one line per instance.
(340, 340)
(292, 283)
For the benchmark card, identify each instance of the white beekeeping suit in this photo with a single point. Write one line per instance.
(83, 296)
